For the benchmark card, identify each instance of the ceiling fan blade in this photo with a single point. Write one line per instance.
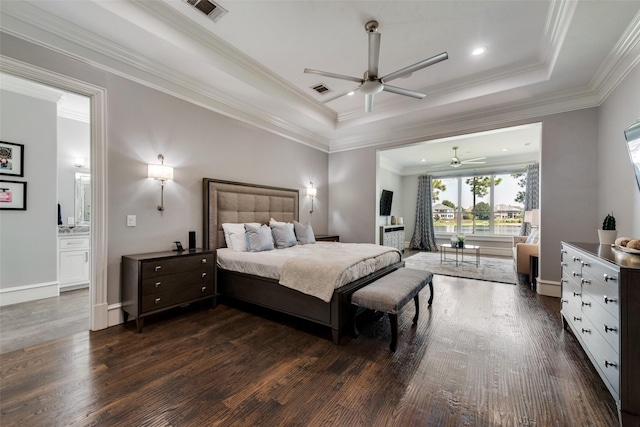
(415, 67)
(466, 162)
(324, 101)
(473, 160)
(368, 103)
(333, 75)
(401, 91)
(374, 53)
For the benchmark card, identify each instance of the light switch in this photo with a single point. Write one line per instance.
(70, 220)
(131, 220)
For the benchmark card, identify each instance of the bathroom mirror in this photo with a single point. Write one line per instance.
(632, 134)
(83, 199)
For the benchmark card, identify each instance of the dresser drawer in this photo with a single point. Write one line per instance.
(606, 359)
(603, 294)
(605, 324)
(571, 261)
(571, 303)
(168, 282)
(175, 296)
(68, 243)
(163, 267)
(601, 271)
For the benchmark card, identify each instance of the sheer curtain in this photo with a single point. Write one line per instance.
(424, 236)
(532, 195)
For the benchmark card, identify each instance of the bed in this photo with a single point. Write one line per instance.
(235, 202)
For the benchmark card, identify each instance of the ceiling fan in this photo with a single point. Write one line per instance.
(456, 162)
(370, 83)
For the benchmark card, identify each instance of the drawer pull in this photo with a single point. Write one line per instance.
(204, 288)
(563, 251)
(577, 294)
(564, 280)
(612, 364)
(576, 274)
(575, 258)
(158, 267)
(588, 304)
(157, 300)
(564, 301)
(586, 331)
(577, 319)
(607, 278)
(204, 275)
(585, 281)
(158, 284)
(204, 261)
(612, 329)
(610, 300)
(585, 264)
(563, 264)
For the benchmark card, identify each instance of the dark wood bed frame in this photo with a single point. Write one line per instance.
(226, 201)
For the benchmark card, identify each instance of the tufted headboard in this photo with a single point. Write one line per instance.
(226, 201)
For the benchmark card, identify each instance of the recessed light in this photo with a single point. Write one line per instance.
(479, 50)
(423, 160)
(350, 93)
(505, 149)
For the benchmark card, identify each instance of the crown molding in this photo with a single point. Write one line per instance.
(34, 90)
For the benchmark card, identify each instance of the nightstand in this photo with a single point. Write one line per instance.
(533, 270)
(327, 238)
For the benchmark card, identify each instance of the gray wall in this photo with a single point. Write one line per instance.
(74, 139)
(393, 182)
(198, 143)
(28, 239)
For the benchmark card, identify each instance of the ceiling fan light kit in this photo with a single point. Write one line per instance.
(370, 83)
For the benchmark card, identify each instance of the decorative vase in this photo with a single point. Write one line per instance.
(393, 220)
(607, 237)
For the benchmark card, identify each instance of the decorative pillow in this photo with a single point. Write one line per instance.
(283, 234)
(234, 235)
(533, 237)
(258, 238)
(304, 233)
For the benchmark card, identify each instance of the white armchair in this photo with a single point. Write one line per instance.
(521, 253)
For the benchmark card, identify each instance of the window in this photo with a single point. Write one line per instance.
(479, 205)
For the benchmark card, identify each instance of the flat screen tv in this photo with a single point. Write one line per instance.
(385, 202)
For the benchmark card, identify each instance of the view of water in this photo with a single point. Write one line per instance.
(506, 229)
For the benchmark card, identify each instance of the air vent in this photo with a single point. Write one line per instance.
(321, 89)
(213, 10)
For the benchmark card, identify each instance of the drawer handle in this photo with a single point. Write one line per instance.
(612, 329)
(585, 264)
(204, 288)
(204, 275)
(565, 301)
(158, 267)
(578, 319)
(563, 251)
(158, 284)
(564, 280)
(576, 274)
(563, 264)
(204, 261)
(577, 294)
(586, 331)
(608, 300)
(585, 281)
(157, 300)
(612, 278)
(612, 364)
(575, 258)
(588, 304)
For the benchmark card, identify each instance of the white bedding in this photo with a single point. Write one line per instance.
(271, 264)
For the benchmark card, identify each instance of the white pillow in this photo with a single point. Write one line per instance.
(283, 234)
(304, 233)
(258, 238)
(533, 237)
(234, 235)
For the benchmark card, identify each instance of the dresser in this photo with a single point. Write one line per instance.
(601, 306)
(392, 235)
(155, 282)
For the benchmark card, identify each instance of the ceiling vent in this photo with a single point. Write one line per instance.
(321, 89)
(213, 10)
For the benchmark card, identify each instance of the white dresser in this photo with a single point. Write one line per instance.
(601, 306)
(392, 235)
(73, 261)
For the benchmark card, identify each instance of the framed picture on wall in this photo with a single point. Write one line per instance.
(11, 159)
(13, 195)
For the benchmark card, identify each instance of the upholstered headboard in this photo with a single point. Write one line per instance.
(226, 201)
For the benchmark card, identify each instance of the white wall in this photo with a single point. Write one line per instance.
(28, 239)
(393, 182)
(74, 138)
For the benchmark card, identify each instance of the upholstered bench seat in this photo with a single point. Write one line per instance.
(392, 292)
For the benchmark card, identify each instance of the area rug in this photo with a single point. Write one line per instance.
(492, 269)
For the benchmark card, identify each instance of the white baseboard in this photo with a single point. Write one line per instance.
(115, 314)
(26, 293)
(548, 288)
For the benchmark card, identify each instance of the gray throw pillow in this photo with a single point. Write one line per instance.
(304, 233)
(283, 235)
(258, 238)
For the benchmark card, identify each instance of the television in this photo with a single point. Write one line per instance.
(385, 202)
(632, 135)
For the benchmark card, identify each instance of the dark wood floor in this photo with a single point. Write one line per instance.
(485, 354)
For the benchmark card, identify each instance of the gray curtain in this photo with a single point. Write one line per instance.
(532, 195)
(424, 236)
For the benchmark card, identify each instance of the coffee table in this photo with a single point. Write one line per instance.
(444, 248)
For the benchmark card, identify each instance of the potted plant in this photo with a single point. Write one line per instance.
(607, 235)
(461, 240)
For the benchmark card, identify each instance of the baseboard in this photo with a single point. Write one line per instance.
(115, 314)
(26, 293)
(549, 288)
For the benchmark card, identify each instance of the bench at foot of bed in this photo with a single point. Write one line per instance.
(390, 293)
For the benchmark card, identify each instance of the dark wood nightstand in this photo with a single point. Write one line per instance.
(327, 238)
(533, 270)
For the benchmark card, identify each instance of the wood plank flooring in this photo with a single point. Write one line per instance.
(485, 354)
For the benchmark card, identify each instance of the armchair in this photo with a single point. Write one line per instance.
(522, 251)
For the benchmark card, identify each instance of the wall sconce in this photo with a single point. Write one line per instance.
(163, 173)
(311, 192)
(78, 162)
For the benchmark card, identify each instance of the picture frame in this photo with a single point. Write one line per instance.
(13, 195)
(11, 159)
